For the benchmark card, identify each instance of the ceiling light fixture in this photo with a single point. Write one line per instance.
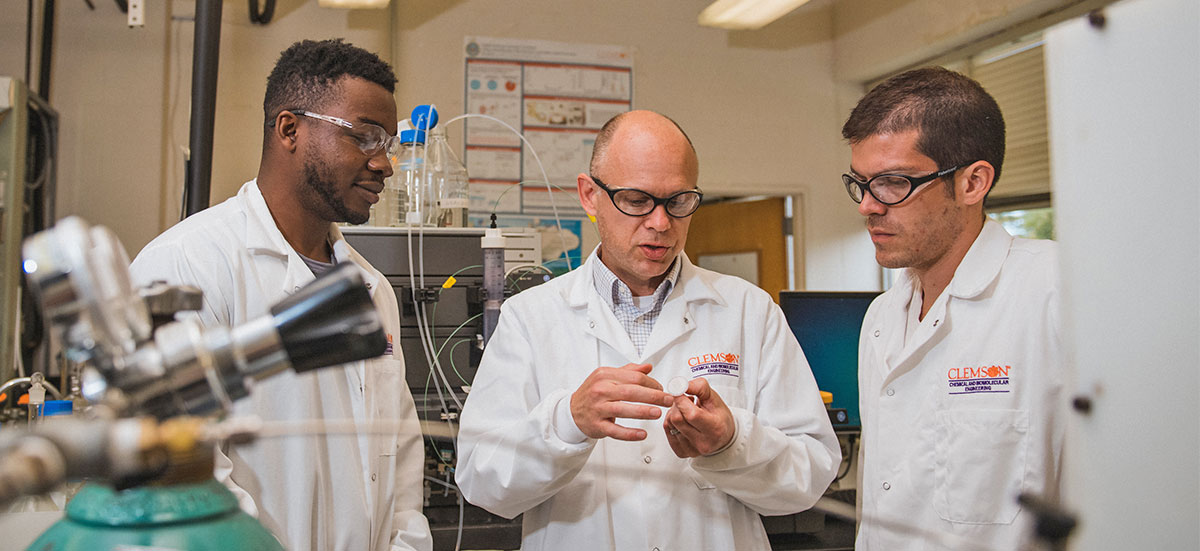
(746, 14)
(353, 4)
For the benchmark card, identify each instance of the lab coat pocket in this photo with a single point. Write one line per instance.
(980, 460)
(386, 395)
(386, 371)
(730, 394)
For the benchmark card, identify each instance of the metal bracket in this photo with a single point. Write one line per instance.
(137, 13)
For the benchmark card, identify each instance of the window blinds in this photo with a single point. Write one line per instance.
(1016, 78)
(1014, 74)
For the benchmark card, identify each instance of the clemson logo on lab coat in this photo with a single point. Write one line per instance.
(718, 363)
(989, 379)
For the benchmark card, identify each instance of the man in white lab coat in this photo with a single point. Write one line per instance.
(325, 156)
(568, 421)
(960, 380)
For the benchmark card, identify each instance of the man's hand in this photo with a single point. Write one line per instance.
(701, 427)
(613, 392)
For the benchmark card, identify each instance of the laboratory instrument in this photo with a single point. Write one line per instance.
(447, 318)
(145, 378)
(80, 278)
(453, 290)
(453, 296)
(28, 180)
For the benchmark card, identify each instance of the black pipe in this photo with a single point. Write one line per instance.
(262, 17)
(47, 50)
(205, 54)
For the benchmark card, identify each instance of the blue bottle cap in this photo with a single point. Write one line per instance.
(56, 407)
(423, 117)
(411, 136)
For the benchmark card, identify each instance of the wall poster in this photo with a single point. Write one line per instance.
(557, 95)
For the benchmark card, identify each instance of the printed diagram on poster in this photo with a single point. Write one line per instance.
(487, 197)
(557, 95)
(538, 200)
(493, 89)
(564, 153)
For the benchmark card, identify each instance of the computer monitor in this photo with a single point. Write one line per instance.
(827, 324)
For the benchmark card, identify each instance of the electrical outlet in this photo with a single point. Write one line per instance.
(137, 15)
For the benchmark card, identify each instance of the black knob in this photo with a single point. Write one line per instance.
(330, 321)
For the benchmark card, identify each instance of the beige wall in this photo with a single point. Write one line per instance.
(107, 87)
(763, 107)
(124, 96)
(882, 36)
(757, 106)
(12, 39)
(248, 52)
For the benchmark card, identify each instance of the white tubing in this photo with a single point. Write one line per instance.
(545, 178)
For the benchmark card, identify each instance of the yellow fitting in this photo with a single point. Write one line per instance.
(181, 434)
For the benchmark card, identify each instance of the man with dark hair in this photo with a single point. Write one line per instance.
(960, 378)
(329, 118)
(565, 421)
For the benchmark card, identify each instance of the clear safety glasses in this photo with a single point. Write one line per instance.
(372, 139)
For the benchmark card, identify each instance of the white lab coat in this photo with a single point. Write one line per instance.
(318, 493)
(971, 413)
(613, 495)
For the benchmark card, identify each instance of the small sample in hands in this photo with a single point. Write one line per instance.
(677, 386)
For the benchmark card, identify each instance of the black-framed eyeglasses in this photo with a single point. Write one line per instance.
(890, 189)
(635, 202)
(371, 139)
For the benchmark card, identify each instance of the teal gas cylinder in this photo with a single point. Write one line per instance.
(195, 516)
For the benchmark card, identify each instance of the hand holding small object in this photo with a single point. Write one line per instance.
(700, 427)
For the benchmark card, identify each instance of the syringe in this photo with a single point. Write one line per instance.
(493, 280)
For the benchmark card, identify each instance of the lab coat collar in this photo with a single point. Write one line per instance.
(262, 234)
(696, 284)
(613, 290)
(263, 237)
(583, 286)
(691, 282)
(978, 269)
(981, 266)
(677, 319)
(692, 286)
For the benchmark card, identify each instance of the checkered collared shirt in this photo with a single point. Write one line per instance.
(637, 323)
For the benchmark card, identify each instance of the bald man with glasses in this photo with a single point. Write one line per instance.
(641, 402)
